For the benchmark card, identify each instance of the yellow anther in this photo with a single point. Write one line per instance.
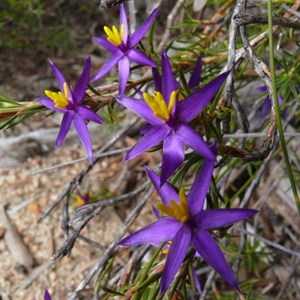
(168, 245)
(114, 36)
(80, 201)
(158, 104)
(178, 211)
(60, 100)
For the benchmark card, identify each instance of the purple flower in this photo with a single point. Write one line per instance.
(267, 102)
(70, 104)
(47, 295)
(186, 224)
(168, 116)
(122, 47)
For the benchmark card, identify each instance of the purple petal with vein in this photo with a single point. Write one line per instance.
(141, 31)
(166, 192)
(210, 251)
(140, 108)
(173, 155)
(83, 81)
(124, 69)
(49, 104)
(84, 136)
(194, 141)
(167, 77)
(189, 108)
(157, 80)
(140, 58)
(59, 77)
(160, 231)
(107, 45)
(88, 114)
(123, 20)
(152, 138)
(178, 250)
(196, 75)
(64, 127)
(199, 189)
(110, 63)
(215, 218)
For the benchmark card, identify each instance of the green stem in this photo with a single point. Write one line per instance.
(277, 108)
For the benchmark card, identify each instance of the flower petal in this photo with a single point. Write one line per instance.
(168, 80)
(215, 218)
(49, 104)
(166, 192)
(47, 295)
(194, 141)
(196, 75)
(84, 136)
(88, 114)
(199, 189)
(123, 20)
(83, 81)
(64, 127)
(140, 108)
(196, 280)
(160, 231)
(178, 250)
(157, 80)
(124, 69)
(108, 66)
(189, 108)
(59, 77)
(140, 58)
(210, 251)
(173, 155)
(141, 31)
(107, 45)
(153, 137)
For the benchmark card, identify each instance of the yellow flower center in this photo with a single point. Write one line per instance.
(113, 35)
(80, 201)
(178, 211)
(60, 100)
(167, 248)
(158, 104)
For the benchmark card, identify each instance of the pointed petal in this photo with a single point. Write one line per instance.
(47, 295)
(266, 107)
(64, 127)
(107, 45)
(141, 108)
(178, 250)
(59, 77)
(199, 189)
(140, 58)
(194, 141)
(83, 81)
(166, 192)
(215, 218)
(160, 231)
(167, 77)
(123, 20)
(210, 251)
(141, 31)
(196, 280)
(157, 80)
(153, 137)
(196, 75)
(110, 63)
(173, 155)
(49, 104)
(88, 114)
(84, 136)
(124, 69)
(189, 108)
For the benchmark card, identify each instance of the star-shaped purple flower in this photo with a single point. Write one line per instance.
(122, 47)
(168, 116)
(70, 104)
(186, 224)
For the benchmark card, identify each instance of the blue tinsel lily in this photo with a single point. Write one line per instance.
(168, 117)
(186, 224)
(122, 47)
(69, 102)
